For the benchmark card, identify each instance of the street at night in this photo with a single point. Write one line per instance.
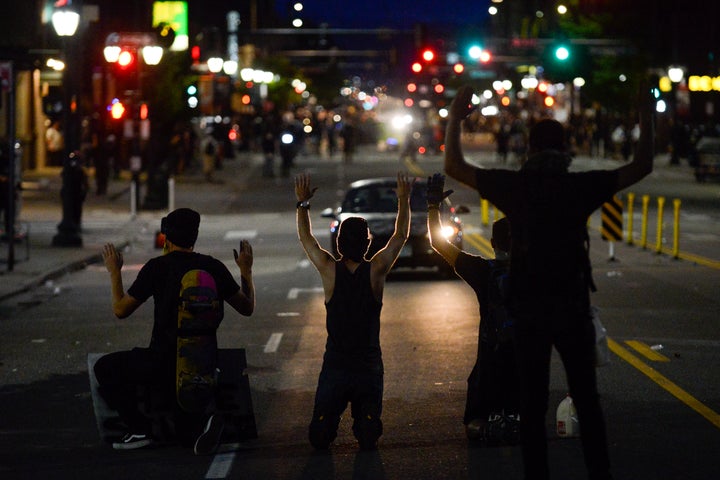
(118, 119)
(661, 409)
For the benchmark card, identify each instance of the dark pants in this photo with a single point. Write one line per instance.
(337, 387)
(493, 383)
(569, 328)
(119, 374)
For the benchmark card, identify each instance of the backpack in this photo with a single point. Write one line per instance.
(199, 313)
(498, 323)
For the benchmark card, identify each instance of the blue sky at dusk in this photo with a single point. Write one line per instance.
(394, 13)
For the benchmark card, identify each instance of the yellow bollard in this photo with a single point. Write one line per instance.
(643, 226)
(676, 228)
(484, 212)
(658, 239)
(630, 200)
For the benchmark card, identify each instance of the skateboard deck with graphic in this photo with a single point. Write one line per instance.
(200, 311)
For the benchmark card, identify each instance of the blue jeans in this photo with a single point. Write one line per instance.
(336, 387)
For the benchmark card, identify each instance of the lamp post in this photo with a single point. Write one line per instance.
(66, 20)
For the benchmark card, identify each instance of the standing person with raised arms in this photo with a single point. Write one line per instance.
(550, 273)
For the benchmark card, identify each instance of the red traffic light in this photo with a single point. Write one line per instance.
(126, 60)
(428, 55)
(416, 67)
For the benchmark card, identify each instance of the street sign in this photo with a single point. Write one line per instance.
(612, 221)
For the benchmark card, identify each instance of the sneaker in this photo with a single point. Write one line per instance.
(209, 439)
(494, 430)
(132, 441)
(475, 430)
(512, 429)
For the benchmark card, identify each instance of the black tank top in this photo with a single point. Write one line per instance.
(353, 321)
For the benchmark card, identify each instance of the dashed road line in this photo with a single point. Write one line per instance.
(273, 343)
(221, 465)
(240, 235)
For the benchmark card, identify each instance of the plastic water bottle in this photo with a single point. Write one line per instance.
(567, 421)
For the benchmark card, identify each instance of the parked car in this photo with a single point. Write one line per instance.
(707, 151)
(375, 200)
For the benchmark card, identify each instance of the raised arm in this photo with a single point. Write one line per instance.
(244, 300)
(642, 162)
(122, 304)
(435, 196)
(383, 260)
(321, 258)
(455, 164)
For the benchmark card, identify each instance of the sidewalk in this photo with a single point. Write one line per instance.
(104, 219)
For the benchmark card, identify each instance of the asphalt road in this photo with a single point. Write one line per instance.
(660, 390)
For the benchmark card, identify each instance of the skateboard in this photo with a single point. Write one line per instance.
(200, 311)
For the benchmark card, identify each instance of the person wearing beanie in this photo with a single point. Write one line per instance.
(120, 373)
(550, 274)
(352, 369)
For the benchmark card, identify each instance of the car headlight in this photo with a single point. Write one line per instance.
(448, 231)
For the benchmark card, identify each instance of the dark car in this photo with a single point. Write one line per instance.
(375, 200)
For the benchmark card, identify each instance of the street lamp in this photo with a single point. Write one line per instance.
(65, 21)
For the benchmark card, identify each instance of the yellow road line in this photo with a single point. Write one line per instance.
(665, 383)
(481, 244)
(644, 350)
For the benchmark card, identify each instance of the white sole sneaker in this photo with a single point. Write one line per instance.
(209, 440)
(131, 441)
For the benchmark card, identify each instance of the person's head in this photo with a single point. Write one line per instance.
(353, 240)
(501, 239)
(547, 134)
(547, 151)
(180, 227)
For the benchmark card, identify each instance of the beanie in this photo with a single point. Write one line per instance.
(181, 227)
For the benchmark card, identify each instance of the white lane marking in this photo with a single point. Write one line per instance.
(293, 292)
(221, 465)
(273, 343)
(240, 235)
(288, 314)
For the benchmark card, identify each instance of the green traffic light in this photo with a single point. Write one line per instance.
(475, 51)
(562, 53)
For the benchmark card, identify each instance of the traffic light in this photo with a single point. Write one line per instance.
(477, 52)
(428, 55)
(126, 59)
(143, 111)
(458, 68)
(562, 53)
(191, 94)
(116, 109)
